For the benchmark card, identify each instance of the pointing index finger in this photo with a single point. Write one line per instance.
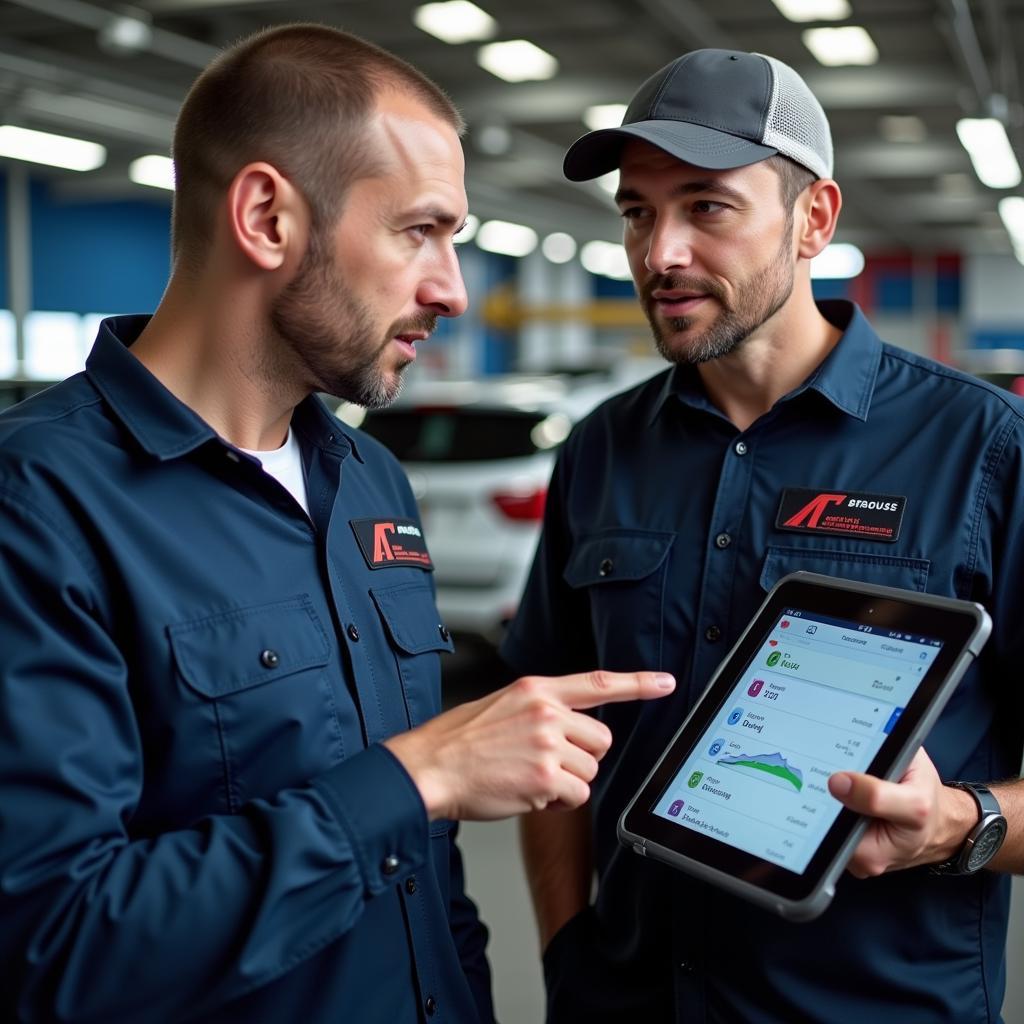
(591, 689)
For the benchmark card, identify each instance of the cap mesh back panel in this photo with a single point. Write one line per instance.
(796, 124)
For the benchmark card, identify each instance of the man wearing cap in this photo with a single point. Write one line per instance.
(675, 506)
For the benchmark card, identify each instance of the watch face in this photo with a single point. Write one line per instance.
(986, 845)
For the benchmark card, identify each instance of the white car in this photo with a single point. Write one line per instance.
(479, 455)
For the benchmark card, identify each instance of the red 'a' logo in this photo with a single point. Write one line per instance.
(381, 547)
(813, 510)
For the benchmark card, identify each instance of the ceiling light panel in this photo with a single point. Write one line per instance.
(153, 170)
(517, 60)
(813, 10)
(604, 115)
(839, 47)
(457, 21)
(52, 150)
(505, 238)
(990, 151)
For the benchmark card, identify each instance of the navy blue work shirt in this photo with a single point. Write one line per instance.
(198, 820)
(659, 543)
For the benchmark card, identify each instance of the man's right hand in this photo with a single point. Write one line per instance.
(522, 748)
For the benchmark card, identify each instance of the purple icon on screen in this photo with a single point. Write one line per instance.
(755, 687)
(676, 807)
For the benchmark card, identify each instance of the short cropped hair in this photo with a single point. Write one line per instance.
(793, 178)
(298, 97)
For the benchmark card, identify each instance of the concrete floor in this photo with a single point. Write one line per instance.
(496, 882)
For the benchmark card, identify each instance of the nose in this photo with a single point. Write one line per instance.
(668, 248)
(443, 290)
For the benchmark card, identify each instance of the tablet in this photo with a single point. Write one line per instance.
(829, 675)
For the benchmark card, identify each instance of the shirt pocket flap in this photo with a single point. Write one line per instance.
(411, 618)
(864, 567)
(616, 557)
(222, 654)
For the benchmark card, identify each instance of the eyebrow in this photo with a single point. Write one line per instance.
(687, 188)
(438, 213)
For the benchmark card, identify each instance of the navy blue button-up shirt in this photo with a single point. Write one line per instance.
(633, 572)
(197, 818)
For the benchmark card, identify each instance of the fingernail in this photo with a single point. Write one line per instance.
(840, 784)
(664, 681)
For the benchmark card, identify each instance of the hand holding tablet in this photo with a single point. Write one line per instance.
(830, 675)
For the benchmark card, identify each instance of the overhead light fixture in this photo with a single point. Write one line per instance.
(604, 115)
(607, 259)
(52, 150)
(505, 238)
(457, 21)
(837, 261)
(990, 151)
(836, 47)
(125, 35)
(902, 128)
(558, 247)
(469, 230)
(1011, 211)
(153, 170)
(517, 60)
(813, 10)
(609, 182)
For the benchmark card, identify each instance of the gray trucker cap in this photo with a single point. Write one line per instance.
(715, 109)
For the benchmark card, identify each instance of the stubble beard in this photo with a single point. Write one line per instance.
(329, 334)
(758, 299)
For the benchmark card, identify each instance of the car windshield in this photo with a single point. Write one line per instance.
(456, 434)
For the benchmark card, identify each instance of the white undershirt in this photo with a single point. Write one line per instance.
(284, 464)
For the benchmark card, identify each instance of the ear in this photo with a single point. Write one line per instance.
(817, 215)
(267, 216)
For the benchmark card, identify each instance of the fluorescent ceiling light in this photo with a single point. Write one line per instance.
(559, 247)
(902, 128)
(835, 47)
(609, 182)
(837, 261)
(604, 115)
(813, 10)
(457, 21)
(517, 60)
(1011, 210)
(607, 259)
(505, 238)
(469, 229)
(986, 143)
(155, 171)
(52, 150)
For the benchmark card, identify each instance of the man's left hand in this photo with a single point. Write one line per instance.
(914, 821)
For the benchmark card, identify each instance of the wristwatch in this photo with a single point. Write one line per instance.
(983, 840)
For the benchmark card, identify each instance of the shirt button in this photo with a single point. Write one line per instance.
(712, 633)
(686, 966)
(740, 448)
(353, 633)
(443, 630)
(605, 568)
(269, 658)
(430, 1006)
(723, 540)
(410, 885)
(389, 865)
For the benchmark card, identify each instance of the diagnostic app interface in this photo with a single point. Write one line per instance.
(820, 695)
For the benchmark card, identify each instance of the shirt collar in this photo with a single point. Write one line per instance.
(846, 377)
(164, 426)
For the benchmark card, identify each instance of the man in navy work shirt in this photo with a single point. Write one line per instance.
(226, 793)
(674, 508)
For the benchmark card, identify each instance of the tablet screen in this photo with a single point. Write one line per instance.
(820, 695)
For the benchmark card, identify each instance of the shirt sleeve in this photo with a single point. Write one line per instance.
(551, 633)
(98, 925)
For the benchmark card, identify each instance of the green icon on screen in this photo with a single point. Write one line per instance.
(773, 658)
(694, 780)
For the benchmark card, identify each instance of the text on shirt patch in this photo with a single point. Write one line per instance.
(845, 514)
(391, 542)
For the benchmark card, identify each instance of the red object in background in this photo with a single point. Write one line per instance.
(1017, 387)
(528, 507)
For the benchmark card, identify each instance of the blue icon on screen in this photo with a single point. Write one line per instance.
(893, 719)
(736, 715)
(715, 748)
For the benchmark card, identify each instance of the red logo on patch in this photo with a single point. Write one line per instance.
(381, 548)
(773, 643)
(813, 510)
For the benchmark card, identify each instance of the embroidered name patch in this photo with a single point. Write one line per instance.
(844, 513)
(391, 542)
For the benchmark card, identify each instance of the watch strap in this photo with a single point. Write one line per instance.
(988, 807)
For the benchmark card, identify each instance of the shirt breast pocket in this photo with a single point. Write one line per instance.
(417, 636)
(257, 676)
(862, 566)
(622, 572)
